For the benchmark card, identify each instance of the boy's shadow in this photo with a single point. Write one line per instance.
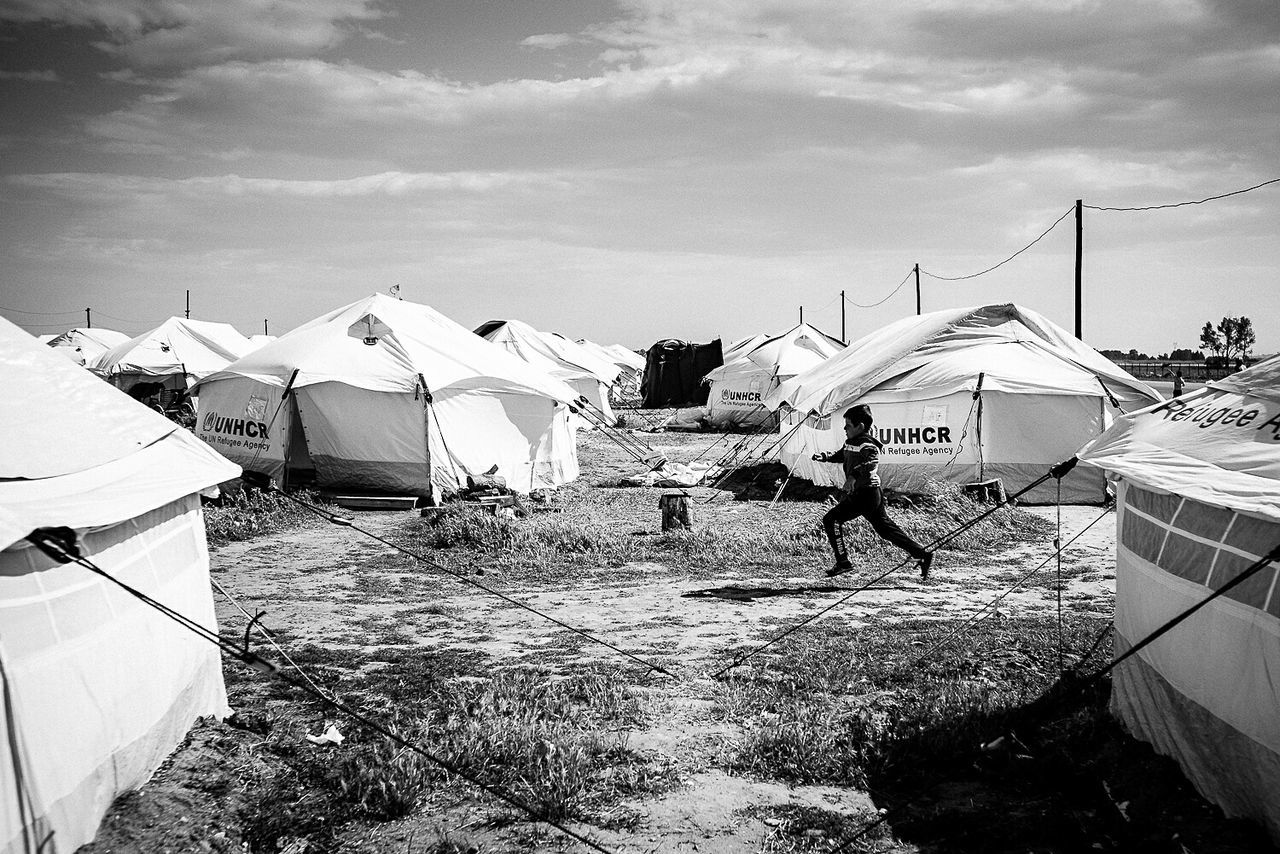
(735, 593)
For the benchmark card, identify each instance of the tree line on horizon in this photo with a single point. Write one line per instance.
(1230, 340)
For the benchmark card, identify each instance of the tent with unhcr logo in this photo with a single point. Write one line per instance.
(962, 395)
(755, 366)
(389, 396)
(1198, 505)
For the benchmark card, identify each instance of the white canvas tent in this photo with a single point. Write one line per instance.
(98, 687)
(175, 354)
(963, 395)
(586, 373)
(1198, 502)
(84, 345)
(756, 366)
(630, 366)
(392, 396)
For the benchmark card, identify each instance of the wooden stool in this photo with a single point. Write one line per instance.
(676, 511)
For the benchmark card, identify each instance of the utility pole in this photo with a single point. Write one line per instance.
(802, 314)
(843, 340)
(88, 318)
(188, 305)
(264, 327)
(917, 269)
(1079, 265)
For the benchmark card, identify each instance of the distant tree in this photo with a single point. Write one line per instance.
(1183, 354)
(1211, 339)
(1232, 338)
(1113, 355)
(1239, 337)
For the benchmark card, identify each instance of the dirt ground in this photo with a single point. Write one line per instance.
(334, 587)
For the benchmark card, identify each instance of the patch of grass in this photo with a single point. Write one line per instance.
(796, 828)
(245, 512)
(857, 704)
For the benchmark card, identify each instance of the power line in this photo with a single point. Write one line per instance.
(891, 293)
(40, 313)
(1183, 204)
(1065, 214)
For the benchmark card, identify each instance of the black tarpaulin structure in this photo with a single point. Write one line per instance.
(674, 370)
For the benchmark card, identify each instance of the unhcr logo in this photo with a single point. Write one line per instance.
(215, 423)
(730, 396)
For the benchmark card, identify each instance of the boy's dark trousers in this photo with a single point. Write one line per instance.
(869, 503)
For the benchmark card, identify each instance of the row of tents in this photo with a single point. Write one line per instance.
(388, 395)
(98, 687)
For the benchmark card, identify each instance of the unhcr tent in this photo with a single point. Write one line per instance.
(96, 688)
(391, 396)
(84, 345)
(673, 373)
(1198, 502)
(756, 366)
(963, 395)
(174, 355)
(571, 363)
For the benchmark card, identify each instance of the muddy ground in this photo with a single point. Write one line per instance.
(330, 587)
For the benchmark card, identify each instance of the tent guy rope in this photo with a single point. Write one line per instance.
(60, 544)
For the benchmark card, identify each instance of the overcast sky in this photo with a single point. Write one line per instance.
(627, 171)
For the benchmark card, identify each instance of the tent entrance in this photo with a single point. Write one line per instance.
(299, 470)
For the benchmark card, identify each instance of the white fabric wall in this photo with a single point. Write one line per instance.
(102, 687)
(735, 397)
(943, 451)
(937, 438)
(362, 439)
(1206, 693)
(528, 438)
(392, 441)
(233, 408)
(597, 394)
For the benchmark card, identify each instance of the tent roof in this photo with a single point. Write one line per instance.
(411, 340)
(79, 453)
(179, 345)
(1261, 380)
(90, 342)
(1197, 445)
(615, 353)
(1014, 347)
(549, 352)
(797, 350)
(787, 354)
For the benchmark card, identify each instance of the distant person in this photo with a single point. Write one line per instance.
(862, 497)
(1177, 383)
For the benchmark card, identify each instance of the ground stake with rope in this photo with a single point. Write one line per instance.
(60, 544)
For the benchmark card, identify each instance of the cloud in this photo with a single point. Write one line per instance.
(45, 76)
(550, 41)
(96, 187)
(184, 33)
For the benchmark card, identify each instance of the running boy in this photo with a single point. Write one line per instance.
(860, 456)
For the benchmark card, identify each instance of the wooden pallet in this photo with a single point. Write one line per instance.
(375, 502)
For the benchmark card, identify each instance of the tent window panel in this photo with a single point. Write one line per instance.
(1251, 592)
(1141, 536)
(1203, 520)
(1187, 558)
(1161, 507)
(1255, 536)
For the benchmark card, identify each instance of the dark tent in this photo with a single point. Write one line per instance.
(673, 373)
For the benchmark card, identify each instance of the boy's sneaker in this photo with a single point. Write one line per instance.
(842, 566)
(926, 563)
